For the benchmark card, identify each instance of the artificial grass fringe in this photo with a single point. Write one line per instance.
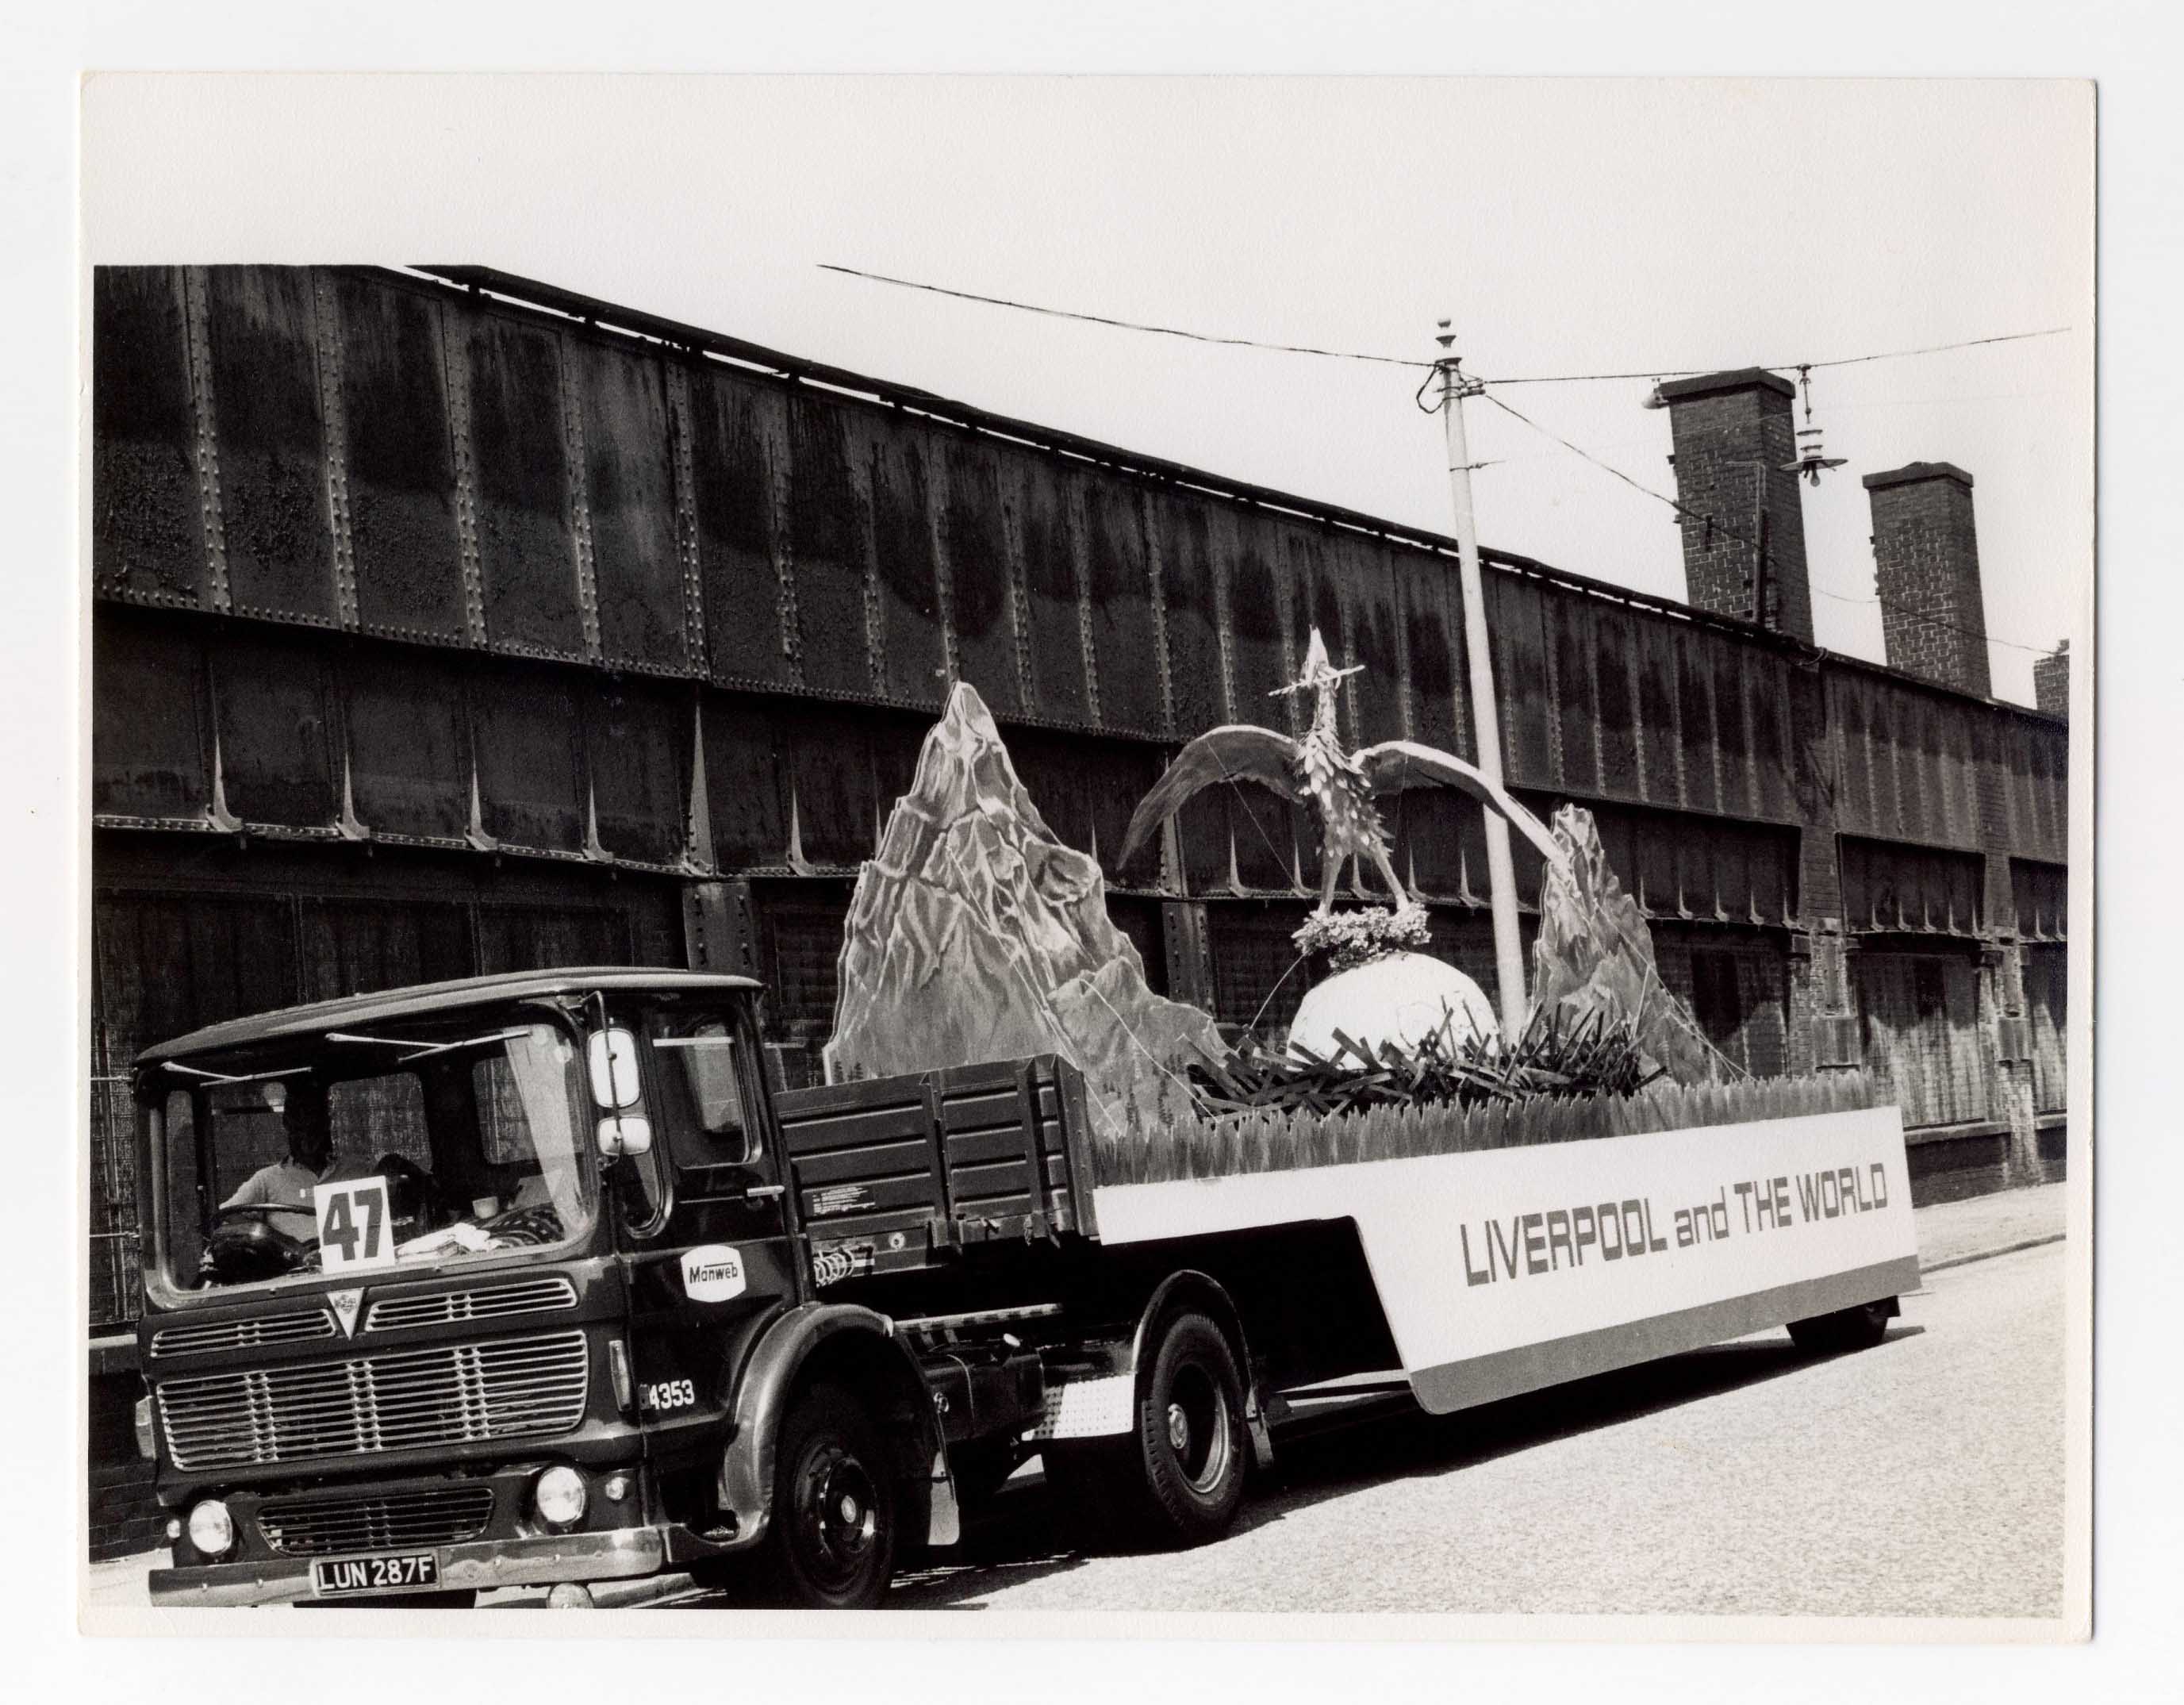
(1260, 1141)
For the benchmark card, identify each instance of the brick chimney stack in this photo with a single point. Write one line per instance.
(1734, 438)
(1925, 555)
(2051, 681)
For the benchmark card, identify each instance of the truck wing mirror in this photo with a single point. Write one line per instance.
(625, 1134)
(615, 1082)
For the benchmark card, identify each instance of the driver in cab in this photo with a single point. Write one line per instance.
(286, 1185)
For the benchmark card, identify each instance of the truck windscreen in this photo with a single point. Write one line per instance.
(475, 1132)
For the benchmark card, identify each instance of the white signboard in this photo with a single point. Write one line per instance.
(713, 1272)
(355, 1229)
(1512, 1268)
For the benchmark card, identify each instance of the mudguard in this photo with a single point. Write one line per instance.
(1186, 1284)
(745, 1486)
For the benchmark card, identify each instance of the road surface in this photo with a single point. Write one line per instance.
(1920, 1477)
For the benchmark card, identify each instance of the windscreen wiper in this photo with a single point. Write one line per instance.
(232, 1078)
(426, 1050)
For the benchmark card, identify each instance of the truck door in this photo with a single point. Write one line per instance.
(715, 1257)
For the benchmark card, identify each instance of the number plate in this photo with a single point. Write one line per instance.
(410, 1572)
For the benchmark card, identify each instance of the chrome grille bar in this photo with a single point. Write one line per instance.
(322, 1527)
(485, 1302)
(445, 1394)
(247, 1334)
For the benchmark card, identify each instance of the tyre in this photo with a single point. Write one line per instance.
(1860, 1328)
(831, 1541)
(1177, 1478)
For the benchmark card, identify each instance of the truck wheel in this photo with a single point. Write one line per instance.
(1177, 1478)
(1860, 1328)
(831, 1541)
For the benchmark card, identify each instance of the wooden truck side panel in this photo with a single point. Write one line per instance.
(896, 1173)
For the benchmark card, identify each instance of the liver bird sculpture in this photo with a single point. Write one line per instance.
(1340, 785)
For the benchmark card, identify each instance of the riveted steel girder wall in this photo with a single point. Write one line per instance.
(317, 448)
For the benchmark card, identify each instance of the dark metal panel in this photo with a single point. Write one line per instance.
(1771, 761)
(1659, 728)
(1126, 645)
(1378, 693)
(981, 597)
(1812, 769)
(830, 769)
(1732, 747)
(1655, 851)
(400, 461)
(1427, 826)
(1425, 600)
(273, 492)
(352, 946)
(738, 433)
(1118, 774)
(1854, 772)
(629, 488)
(637, 743)
(1617, 667)
(1041, 491)
(1264, 828)
(1520, 678)
(1202, 829)
(1190, 603)
(2049, 750)
(1568, 625)
(829, 540)
(151, 749)
(1695, 719)
(147, 538)
(538, 938)
(523, 725)
(409, 753)
(1256, 574)
(269, 699)
(913, 645)
(745, 790)
(519, 448)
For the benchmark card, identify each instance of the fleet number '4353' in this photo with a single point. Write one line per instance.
(667, 1394)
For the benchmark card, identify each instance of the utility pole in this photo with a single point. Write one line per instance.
(1486, 718)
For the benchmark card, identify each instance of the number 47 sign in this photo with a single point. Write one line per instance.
(355, 1229)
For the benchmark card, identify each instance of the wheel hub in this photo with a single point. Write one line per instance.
(1178, 1429)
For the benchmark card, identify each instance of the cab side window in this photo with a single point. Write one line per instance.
(699, 1062)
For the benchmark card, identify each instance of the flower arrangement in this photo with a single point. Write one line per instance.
(1351, 939)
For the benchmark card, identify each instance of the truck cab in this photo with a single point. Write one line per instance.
(501, 1282)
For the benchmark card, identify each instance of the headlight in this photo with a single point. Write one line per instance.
(560, 1496)
(212, 1530)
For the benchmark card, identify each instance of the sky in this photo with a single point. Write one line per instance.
(1565, 226)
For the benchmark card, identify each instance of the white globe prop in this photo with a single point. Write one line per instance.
(1403, 997)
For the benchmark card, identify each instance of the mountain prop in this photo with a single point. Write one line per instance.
(1594, 956)
(977, 935)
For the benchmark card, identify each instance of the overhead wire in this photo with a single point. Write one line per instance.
(1432, 367)
(1123, 324)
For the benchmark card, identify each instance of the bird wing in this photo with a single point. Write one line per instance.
(1393, 764)
(1236, 752)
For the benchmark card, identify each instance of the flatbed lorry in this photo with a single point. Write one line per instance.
(531, 1279)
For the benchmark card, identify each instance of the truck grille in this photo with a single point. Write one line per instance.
(517, 1387)
(487, 1302)
(242, 1334)
(323, 1527)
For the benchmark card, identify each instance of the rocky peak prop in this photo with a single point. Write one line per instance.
(1594, 957)
(978, 934)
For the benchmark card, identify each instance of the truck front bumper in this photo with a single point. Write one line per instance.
(484, 1564)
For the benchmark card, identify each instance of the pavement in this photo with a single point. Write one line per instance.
(2005, 1525)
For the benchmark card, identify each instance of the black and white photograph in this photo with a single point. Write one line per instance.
(868, 854)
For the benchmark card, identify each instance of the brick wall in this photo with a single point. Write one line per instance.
(2051, 681)
(124, 1518)
(1925, 553)
(1732, 434)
